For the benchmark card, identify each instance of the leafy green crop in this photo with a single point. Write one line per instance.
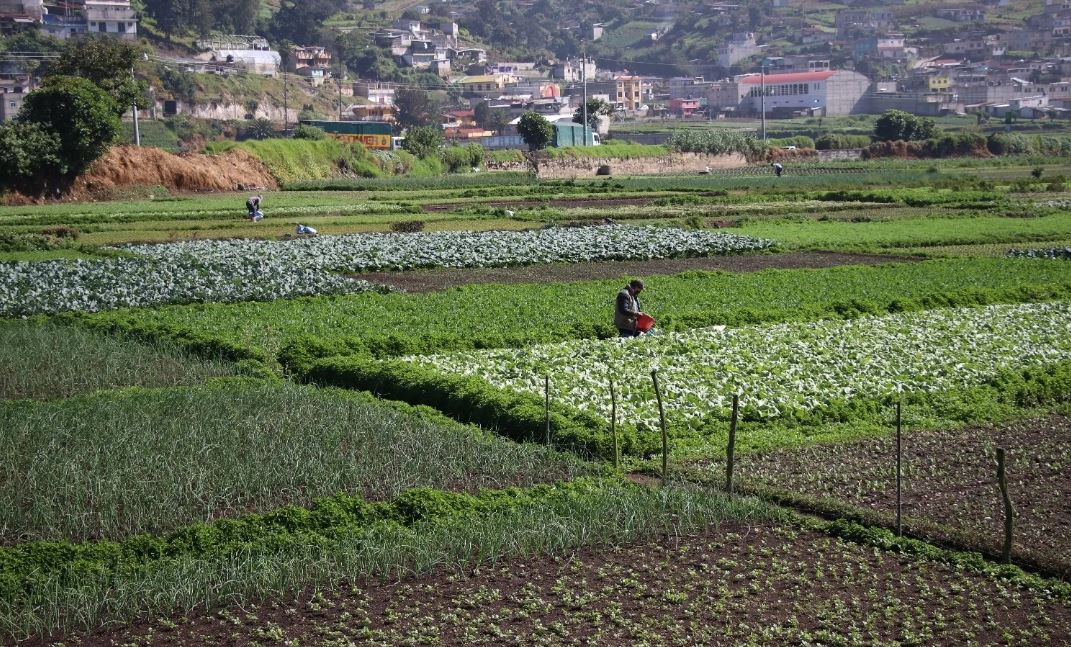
(494, 316)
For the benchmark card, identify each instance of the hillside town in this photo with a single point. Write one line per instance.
(865, 63)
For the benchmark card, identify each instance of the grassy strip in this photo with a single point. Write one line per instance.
(493, 316)
(905, 233)
(521, 416)
(467, 181)
(92, 467)
(609, 151)
(57, 589)
(45, 360)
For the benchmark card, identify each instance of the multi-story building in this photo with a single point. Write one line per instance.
(312, 62)
(10, 101)
(863, 20)
(739, 47)
(375, 92)
(832, 92)
(14, 13)
(112, 17)
(629, 92)
(251, 52)
(574, 70)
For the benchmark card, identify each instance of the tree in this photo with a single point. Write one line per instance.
(896, 125)
(481, 113)
(28, 157)
(108, 63)
(596, 108)
(535, 130)
(417, 107)
(423, 141)
(83, 117)
(302, 21)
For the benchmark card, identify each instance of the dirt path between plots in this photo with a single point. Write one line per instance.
(431, 280)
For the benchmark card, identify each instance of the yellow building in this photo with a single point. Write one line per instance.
(484, 83)
(630, 92)
(939, 83)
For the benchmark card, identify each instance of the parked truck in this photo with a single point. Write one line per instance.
(567, 133)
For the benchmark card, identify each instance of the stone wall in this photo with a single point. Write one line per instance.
(674, 163)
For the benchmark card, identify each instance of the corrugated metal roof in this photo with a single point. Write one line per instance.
(791, 77)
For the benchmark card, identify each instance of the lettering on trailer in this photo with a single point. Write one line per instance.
(370, 141)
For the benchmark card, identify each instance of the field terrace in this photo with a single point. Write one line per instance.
(343, 439)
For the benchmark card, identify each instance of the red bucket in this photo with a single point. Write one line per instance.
(644, 323)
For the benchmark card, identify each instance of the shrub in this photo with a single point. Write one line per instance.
(305, 131)
(407, 226)
(716, 142)
(829, 142)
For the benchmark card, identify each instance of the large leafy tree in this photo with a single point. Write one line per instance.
(203, 16)
(417, 107)
(596, 108)
(83, 117)
(29, 157)
(302, 20)
(535, 130)
(108, 63)
(894, 125)
(423, 141)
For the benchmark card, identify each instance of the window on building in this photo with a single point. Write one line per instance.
(122, 27)
(102, 27)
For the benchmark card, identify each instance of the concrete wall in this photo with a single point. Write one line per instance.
(673, 163)
(845, 92)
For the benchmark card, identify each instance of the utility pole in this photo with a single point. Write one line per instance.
(341, 73)
(137, 129)
(762, 79)
(584, 76)
(286, 103)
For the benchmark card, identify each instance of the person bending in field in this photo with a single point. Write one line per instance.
(778, 169)
(253, 205)
(627, 310)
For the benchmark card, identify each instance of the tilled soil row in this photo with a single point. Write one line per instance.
(733, 584)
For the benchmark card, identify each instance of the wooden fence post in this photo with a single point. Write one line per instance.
(1009, 511)
(899, 455)
(662, 420)
(613, 426)
(546, 388)
(731, 449)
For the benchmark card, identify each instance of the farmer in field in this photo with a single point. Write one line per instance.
(253, 205)
(627, 310)
(778, 169)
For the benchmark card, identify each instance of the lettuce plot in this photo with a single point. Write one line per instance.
(371, 252)
(781, 368)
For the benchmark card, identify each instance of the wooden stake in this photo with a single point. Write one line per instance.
(546, 406)
(899, 455)
(662, 420)
(731, 449)
(1009, 511)
(613, 427)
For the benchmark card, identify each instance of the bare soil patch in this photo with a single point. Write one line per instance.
(949, 483)
(126, 166)
(431, 280)
(734, 584)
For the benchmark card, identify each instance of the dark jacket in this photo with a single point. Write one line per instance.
(627, 310)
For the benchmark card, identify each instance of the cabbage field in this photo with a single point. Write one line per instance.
(421, 426)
